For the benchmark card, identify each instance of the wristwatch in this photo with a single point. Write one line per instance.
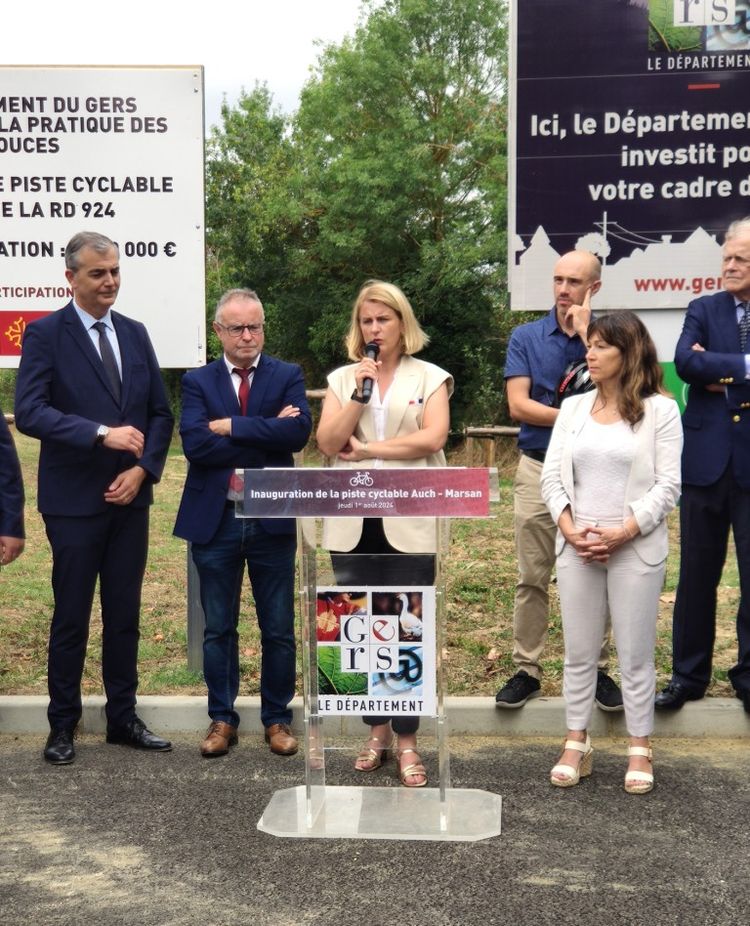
(101, 433)
(358, 398)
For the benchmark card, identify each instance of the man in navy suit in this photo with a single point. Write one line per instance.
(713, 356)
(11, 498)
(89, 388)
(246, 410)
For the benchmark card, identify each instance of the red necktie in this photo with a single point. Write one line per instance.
(236, 485)
(244, 390)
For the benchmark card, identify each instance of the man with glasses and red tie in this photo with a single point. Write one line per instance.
(713, 356)
(246, 410)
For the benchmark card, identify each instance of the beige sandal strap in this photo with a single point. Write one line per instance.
(567, 770)
(576, 746)
(644, 751)
(639, 776)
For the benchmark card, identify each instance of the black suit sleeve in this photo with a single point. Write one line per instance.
(11, 485)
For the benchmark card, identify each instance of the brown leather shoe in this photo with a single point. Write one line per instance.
(279, 737)
(220, 737)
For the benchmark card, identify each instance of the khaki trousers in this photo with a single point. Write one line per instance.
(535, 534)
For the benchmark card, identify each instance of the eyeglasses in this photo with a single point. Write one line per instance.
(236, 331)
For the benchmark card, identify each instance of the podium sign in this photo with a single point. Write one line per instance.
(448, 492)
(375, 656)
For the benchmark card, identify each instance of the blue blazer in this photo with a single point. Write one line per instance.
(11, 485)
(259, 439)
(716, 424)
(63, 395)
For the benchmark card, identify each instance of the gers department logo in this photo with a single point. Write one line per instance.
(703, 12)
(678, 27)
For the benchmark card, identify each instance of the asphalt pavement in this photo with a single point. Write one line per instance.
(125, 838)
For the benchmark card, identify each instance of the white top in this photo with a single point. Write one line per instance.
(602, 457)
(379, 409)
(415, 381)
(653, 483)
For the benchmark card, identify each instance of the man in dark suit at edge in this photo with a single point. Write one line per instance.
(89, 388)
(246, 410)
(11, 498)
(713, 356)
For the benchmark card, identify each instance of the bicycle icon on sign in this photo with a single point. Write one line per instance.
(361, 479)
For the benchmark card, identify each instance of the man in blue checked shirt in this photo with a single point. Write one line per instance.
(538, 354)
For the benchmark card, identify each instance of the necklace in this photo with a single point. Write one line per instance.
(605, 409)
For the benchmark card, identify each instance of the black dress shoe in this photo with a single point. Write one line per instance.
(59, 747)
(137, 735)
(674, 696)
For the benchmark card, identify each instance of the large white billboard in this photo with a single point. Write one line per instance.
(115, 150)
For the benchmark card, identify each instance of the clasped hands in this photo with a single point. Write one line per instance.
(596, 544)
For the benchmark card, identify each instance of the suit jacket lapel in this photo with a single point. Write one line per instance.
(729, 321)
(402, 392)
(128, 352)
(258, 385)
(84, 343)
(225, 388)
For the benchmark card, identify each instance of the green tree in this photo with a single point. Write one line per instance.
(402, 138)
(250, 214)
(393, 167)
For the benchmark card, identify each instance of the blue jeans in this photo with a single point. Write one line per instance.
(270, 565)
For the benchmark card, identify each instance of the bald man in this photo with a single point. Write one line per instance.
(538, 353)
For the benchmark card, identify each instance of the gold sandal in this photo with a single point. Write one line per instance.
(411, 771)
(375, 756)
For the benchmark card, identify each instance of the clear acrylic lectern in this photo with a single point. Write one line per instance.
(372, 649)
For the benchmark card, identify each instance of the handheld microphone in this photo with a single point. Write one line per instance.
(371, 350)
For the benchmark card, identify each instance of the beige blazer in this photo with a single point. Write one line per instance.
(415, 381)
(653, 483)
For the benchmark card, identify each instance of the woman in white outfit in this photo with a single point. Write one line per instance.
(405, 423)
(611, 476)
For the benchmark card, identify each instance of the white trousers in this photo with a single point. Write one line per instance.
(631, 589)
(535, 552)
